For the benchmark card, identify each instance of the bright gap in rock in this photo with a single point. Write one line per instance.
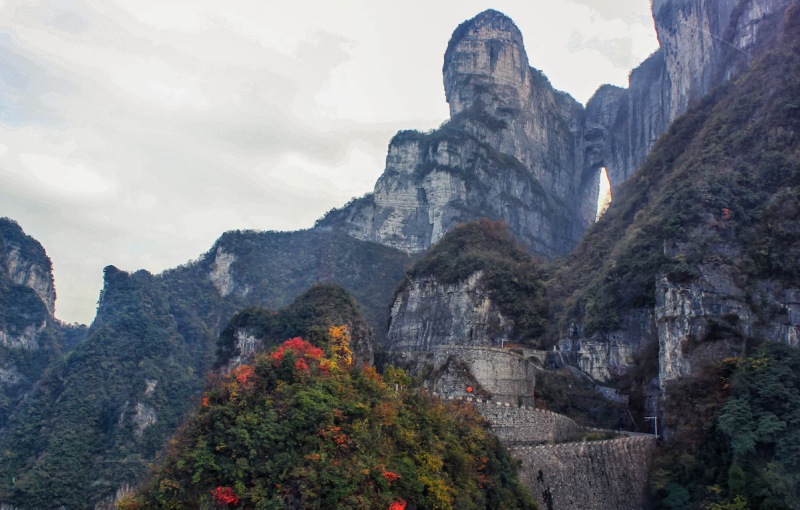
(604, 193)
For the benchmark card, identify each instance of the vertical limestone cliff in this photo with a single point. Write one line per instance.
(30, 336)
(710, 318)
(516, 149)
(451, 336)
(511, 150)
(428, 314)
(703, 43)
(24, 262)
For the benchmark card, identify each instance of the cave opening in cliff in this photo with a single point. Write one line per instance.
(603, 194)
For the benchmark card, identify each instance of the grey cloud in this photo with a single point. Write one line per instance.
(622, 9)
(193, 128)
(618, 50)
(28, 84)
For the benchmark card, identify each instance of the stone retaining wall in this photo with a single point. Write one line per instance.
(592, 475)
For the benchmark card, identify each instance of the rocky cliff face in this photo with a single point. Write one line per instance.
(606, 355)
(511, 150)
(696, 322)
(518, 150)
(458, 371)
(27, 292)
(703, 43)
(486, 74)
(710, 318)
(716, 284)
(451, 335)
(427, 314)
(30, 336)
(24, 262)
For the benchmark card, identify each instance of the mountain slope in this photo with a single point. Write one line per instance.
(97, 417)
(30, 336)
(506, 300)
(697, 257)
(695, 263)
(511, 150)
(320, 307)
(300, 428)
(718, 190)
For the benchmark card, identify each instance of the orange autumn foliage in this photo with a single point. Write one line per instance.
(340, 344)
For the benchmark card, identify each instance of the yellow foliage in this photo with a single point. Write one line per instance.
(340, 344)
(439, 493)
(328, 365)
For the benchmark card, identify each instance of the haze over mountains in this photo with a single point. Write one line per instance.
(278, 114)
(694, 262)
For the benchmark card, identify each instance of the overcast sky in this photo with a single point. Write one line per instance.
(135, 132)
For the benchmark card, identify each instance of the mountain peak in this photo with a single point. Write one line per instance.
(485, 65)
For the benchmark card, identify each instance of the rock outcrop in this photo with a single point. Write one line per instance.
(511, 150)
(30, 336)
(516, 149)
(702, 44)
(27, 293)
(606, 355)
(427, 314)
(709, 293)
(24, 262)
(145, 357)
(454, 371)
(710, 318)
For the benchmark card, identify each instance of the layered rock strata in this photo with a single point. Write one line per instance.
(427, 314)
(511, 150)
(519, 150)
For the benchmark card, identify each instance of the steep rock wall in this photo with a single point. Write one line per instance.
(512, 150)
(709, 318)
(26, 288)
(705, 42)
(30, 336)
(427, 314)
(702, 44)
(606, 355)
(517, 149)
(24, 261)
(486, 71)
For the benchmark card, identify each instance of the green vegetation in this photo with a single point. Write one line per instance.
(36, 339)
(76, 437)
(321, 306)
(276, 267)
(300, 428)
(561, 392)
(20, 308)
(739, 440)
(512, 277)
(83, 432)
(12, 235)
(719, 188)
